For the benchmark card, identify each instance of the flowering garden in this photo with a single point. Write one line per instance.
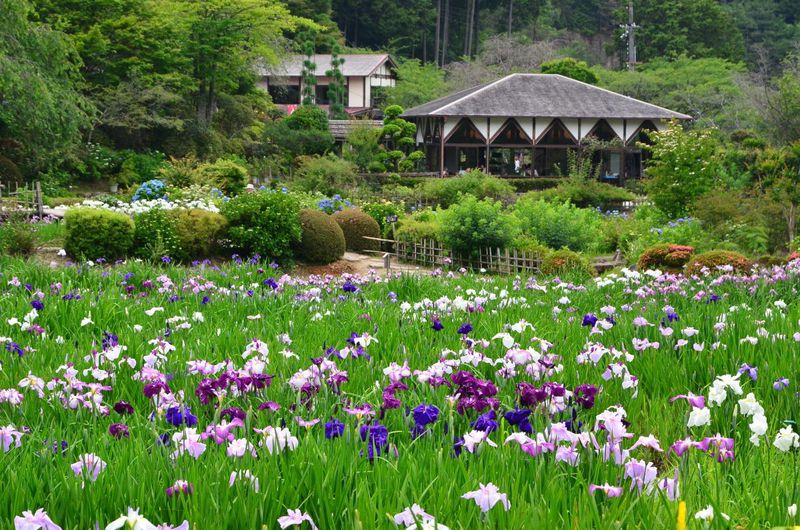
(158, 396)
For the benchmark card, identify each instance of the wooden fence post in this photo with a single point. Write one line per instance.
(38, 198)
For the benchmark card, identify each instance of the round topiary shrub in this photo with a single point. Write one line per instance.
(564, 262)
(322, 240)
(717, 258)
(97, 233)
(666, 257)
(199, 232)
(356, 225)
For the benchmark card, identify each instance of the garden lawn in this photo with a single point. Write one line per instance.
(180, 345)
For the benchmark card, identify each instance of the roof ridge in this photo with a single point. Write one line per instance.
(479, 90)
(619, 95)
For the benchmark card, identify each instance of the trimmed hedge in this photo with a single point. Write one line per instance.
(565, 261)
(199, 233)
(322, 240)
(666, 256)
(96, 233)
(356, 224)
(716, 258)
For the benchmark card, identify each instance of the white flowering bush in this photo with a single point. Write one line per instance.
(145, 206)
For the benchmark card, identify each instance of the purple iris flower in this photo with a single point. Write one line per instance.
(180, 415)
(751, 371)
(584, 395)
(465, 328)
(13, 347)
(334, 429)
(270, 282)
(123, 407)
(377, 438)
(233, 412)
(589, 320)
(425, 414)
(37, 305)
(436, 324)
(486, 422)
(780, 383)
(519, 418)
(118, 430)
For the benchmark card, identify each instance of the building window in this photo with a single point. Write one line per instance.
(284, 94)
(321, 94)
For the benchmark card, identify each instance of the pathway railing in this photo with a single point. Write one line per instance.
(26, 197)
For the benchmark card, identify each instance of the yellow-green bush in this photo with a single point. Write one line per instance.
(96, 233)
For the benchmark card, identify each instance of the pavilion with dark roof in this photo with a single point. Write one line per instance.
(525, 124)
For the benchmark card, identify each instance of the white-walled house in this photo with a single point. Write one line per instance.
(365, 77)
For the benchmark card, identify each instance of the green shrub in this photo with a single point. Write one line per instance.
(308, 118)
(154, 236)
(180, 172)
(17, 236)
(472, 224)
(446, 191)
(411, 230)
(531, 247)
(228, 175)
(666, 256)
(140, 167)
(559, 225)
(716, 258)
(526, 184)
(585, 194)
(328, 175)
(264, 223)
(380, 211)
(566, 262)
(96, 233)
(199, 232)
(322, 240)
(355, 225)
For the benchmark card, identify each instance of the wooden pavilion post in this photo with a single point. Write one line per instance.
(441, 149)
(488, 139)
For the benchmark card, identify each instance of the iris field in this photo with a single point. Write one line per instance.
(239, 397)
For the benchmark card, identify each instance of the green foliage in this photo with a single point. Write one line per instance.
(666, 257)
(42, 110)
(140, 167)
(695, 28)
(422, 224)
(155, 236)
(322, 240)
(684, 165)
(362, 147)
(264, 223)
(472, 224)
(585, 194)
(416, 84)
(708, 89)
(228, 175)
(199, 233)
(17, 236)
(297, 142)
(718, 258)
(308, 118)
(337, 88)
(97, 233)
(572, 68)
(566, 263)
(445, 192)
(398, 136)
(179, 172)
(380, 211)
(328, 175)
(356, 225)
(559, 225)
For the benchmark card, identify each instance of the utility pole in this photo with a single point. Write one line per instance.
(630, 33)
